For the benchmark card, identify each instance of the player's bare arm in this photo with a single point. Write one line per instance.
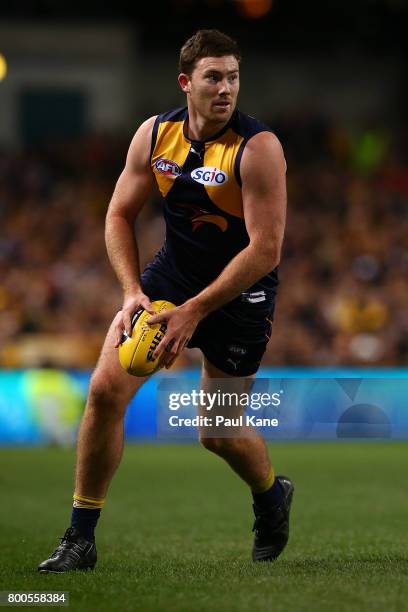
(263, 174)
(131, 192)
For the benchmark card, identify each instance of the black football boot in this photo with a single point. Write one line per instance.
(271, 526)
(73, 553)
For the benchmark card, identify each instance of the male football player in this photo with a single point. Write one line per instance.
(222, 177)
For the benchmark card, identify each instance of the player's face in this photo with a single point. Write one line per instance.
(213, 87)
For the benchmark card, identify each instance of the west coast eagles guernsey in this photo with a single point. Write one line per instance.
(201, 186)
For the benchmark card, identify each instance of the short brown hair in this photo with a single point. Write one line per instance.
(206, 43)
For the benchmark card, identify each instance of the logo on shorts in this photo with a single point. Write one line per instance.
(253, 297)
(237, 350)
(167, 167)
(234, 364)
(210, 176)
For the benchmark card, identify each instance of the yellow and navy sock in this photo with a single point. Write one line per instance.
(268, 493)
(85, 515)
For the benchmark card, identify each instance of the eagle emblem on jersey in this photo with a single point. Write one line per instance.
(199, 216)
(219, 221)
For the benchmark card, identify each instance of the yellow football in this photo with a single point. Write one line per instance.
(136, 351)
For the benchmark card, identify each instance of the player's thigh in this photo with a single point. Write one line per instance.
(212, 377)
(228, 390)
(109, 381)
(227, 405)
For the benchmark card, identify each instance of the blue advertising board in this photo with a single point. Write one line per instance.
(45, 405)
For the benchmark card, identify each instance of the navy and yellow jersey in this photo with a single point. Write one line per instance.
(201, 186)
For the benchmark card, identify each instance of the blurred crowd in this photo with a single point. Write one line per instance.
(343, 294)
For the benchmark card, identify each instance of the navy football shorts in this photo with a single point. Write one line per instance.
(233, 338)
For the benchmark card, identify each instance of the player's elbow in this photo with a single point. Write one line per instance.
(273, 252)
(118, 218)
(268, 256)
(110, 223)
(272, 259)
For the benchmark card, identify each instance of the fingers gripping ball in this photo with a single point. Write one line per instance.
(136, 351)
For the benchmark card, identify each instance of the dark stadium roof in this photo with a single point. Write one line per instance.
(321, 26)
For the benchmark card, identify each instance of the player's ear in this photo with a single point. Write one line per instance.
(184, 82)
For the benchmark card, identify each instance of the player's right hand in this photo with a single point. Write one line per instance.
(123, 320)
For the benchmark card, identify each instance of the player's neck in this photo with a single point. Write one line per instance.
(199, 128)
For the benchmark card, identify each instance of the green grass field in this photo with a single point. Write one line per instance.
(175, 534)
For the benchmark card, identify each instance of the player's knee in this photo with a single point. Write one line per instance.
(210, 444)
(219, 446)
(106, 396)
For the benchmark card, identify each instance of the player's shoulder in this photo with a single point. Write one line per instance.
(257, 136)
(150, 124)
(139, 147)
(259, 144)
(144, 130)
(248, 126)
(174, 115)
(166, 123)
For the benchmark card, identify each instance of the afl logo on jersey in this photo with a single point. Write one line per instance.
(167, 167)
(209, 176)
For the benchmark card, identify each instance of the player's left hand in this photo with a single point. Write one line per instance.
(181, 323)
